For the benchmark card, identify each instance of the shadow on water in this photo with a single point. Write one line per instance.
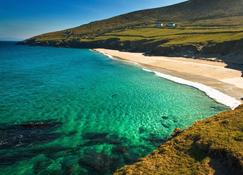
(102, 138)
(21, 142)
(25, 134)
(15, 137)
(122, 152)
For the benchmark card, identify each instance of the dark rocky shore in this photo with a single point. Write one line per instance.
(229, 52)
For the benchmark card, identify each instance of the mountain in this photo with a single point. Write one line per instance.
(204, 29)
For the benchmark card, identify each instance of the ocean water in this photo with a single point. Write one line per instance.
(75, 111)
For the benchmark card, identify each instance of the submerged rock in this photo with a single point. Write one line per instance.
(41, 165)
(98, 163)
(154, 139)
(120, 150)
(12, 157)
(25, 134)
(114, 95)
(95, 135)
(164, 117)
(141, 130)
(101, 138)
(115, 139)
(165, 125)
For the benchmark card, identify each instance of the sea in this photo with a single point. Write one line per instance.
(76, 111)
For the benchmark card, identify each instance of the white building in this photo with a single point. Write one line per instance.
(169, 25)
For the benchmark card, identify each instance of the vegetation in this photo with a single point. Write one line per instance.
(206, 28)
(180, 35)
(183, 35)
(211, 146)
(192, 13)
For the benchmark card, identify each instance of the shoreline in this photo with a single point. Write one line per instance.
(204, 84)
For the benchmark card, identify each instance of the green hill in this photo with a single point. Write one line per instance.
(205, 28)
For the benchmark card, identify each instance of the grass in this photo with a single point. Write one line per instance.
(199, 22)
(178, 36)
(206, 28)
(214, 145)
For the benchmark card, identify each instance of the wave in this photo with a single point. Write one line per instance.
(216, 95)
(105, 54)
(211, 92)
(119, 59)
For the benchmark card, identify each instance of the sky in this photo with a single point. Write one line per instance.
(21, 19)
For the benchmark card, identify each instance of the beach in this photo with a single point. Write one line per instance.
(218, 82)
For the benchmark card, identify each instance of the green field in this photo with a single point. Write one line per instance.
(179, 35)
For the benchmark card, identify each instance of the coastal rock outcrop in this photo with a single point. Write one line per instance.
(211, 146)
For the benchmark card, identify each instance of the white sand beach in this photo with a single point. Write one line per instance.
(226, 83)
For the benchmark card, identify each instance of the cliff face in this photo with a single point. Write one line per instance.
(229, 51)
(211, 146)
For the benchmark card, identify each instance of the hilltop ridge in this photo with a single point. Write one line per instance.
(206, 28)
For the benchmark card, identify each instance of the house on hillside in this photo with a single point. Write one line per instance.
(160, 24)
(171, 25)
(166, 25)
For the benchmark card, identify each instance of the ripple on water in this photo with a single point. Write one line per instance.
(67, 111)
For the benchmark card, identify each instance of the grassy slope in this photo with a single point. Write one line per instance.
(185, 34)
(181, 35)
(214, 145)
(192, 14)
(207, 28)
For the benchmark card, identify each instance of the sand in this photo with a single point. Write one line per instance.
(212, 74)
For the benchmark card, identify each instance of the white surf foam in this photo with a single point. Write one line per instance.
(119, 59)
(106, 54)
(218, 96)
(212, 93)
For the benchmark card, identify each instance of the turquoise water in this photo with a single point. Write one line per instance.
(74, 111)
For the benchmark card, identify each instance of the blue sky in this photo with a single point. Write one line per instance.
(20, 19)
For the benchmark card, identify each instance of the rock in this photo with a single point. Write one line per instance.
(114, 95)
(115, 139)
(28, 133)
(141, 130)
(101, 138)
(119, 150)
(49, 124)
(97, 163)
(165, 125)
(164, 117)
(176, 132)
(155, 140)
(95, 135)
(41, 165)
